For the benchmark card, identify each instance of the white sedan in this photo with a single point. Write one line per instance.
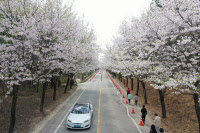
(80, 116)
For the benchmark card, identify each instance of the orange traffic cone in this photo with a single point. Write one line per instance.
(133, 112)
(126, 101)
(141, 122)
(123, 96)
(120, 92)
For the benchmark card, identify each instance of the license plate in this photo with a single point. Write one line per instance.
(77, 125)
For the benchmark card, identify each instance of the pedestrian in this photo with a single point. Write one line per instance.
(128, 91)
(161, 130)
(157, 122)
(136, 99)
(144, 113)
(153, 129)
(129, 98)
(71, 83)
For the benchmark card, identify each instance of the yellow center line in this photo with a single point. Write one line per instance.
(98, 126)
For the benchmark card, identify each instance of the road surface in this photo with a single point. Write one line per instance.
(110, 113)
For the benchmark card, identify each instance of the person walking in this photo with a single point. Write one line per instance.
(129, 98)
(136, 99)
(128, 91)
(71, 83)
(162, 130)
(144, 113)
(153, 129)
(157, 121)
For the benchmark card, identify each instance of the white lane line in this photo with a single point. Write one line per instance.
(67, 114)
(128, 112)
(41, 125)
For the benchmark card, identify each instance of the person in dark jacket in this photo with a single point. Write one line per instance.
(144, 113)
(71, 83)
(153, 129)
(161, 130)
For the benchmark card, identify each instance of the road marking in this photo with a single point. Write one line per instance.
(128, 111)
(67, 113)
(98, 125)
(129, 114)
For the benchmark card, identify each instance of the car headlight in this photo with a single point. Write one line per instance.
(69, 120)
(86, 121)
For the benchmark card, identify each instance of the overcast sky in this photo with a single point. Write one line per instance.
(105, 16)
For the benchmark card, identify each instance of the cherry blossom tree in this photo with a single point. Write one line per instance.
(41, 40)
(162, 46)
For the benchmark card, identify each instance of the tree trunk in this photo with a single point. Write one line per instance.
(131, 83)
(54, 88)
(52, 83)
(13, 109)
(59, 83)
(144, 90)
(43, 96)
(162, 101)
(82, 76)
(127, 82)
(67, 83)
(119, 76)
(71, 81)
(197, 108)
(37, 87)
(138, 86)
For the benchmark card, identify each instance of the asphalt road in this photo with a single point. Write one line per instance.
(110, 114)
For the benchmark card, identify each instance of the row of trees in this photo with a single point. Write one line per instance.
(163, 47)
(40, 40)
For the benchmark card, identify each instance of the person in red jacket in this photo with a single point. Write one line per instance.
(128, 91)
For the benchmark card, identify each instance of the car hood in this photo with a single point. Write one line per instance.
(78, 118)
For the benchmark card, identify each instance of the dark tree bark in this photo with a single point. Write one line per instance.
(29, 84)
(54, 88)
(82, 76)
(13, 109)
(119, 76)
(71, 81)
(127, 82)
(144, 91)
(138, 86)
(162, 101)
(52, 83)
(67, 83)
(43, 95)
(59, 83)
(197, 108)
(131, 83)
(37, 87)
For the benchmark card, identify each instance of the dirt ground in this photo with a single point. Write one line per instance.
(28, 105)
(181, 116)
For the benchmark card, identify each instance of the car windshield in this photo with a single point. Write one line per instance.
(80, 109)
